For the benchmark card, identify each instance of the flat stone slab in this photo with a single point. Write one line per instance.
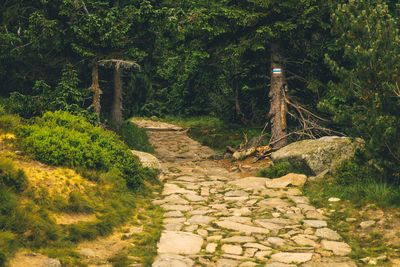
(288, 257)
(250, 183)
(241, 227)
(326, 233)
(172, 260)
(200, 219)
(338, 248)
(232, 249)
(176, 242)
(315, 223)
(284, 181)
(238, 239)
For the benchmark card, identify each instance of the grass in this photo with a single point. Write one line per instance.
(213, 132)
(26, 217)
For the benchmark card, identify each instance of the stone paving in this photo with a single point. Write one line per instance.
(213, 217)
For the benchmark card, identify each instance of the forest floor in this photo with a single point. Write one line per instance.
(215, 217)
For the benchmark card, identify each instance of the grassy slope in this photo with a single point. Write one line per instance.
(98, 202)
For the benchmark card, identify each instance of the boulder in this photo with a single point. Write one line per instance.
(148, 160)
(318, 155)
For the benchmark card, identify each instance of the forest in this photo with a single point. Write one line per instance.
(77, 70)
(111, 60)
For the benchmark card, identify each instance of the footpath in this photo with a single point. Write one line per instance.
(214, 217)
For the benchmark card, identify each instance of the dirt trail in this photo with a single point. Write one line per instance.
(215, 218)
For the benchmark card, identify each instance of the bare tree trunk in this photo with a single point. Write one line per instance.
(116, 109)
(95, 87)
(278, 109)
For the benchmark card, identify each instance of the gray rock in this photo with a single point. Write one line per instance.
(51, 263)
(317, 155)
(148, 160)
(367, 224)
(87, 252)
(241, 227)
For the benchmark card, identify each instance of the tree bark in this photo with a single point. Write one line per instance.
(278, 107)
(95, 87)
(116, 109)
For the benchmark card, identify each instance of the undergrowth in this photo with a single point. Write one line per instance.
(61, 139)
(280, 169)
(135, 137)
(100, 183)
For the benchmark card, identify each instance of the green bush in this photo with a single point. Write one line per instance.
(61, 139)
(12, 177)
(278, 170)
(135, 137)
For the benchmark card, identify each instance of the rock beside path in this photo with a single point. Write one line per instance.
(318, 155)
(148, 160)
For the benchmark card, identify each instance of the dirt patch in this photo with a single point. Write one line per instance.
(73, 218)
(101, 250)
(25, 259)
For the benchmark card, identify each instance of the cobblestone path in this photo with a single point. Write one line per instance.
(215, 218)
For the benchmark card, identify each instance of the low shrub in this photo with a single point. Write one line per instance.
(135, 137)
(61, 139)
(280, 169)
(12, 177)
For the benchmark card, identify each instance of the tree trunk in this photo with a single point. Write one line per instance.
(116, 109)
(278, 109)
(95, 87)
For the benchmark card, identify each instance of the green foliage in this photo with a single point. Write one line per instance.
(135, 137)
(364, 98)
(12, 177)
(59, 138)
(358, 181)
(8, 246)
(9, 122)
(279, 169)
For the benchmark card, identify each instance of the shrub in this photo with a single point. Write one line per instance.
(279, 169)
(135, 137)
(12, 177)
(59, 138)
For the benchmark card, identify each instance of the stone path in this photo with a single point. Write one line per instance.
(215, 218)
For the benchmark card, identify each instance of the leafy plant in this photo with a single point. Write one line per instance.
(59, 138)
(135, 137)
